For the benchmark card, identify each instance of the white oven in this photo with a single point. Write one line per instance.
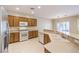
(23, 31)
(23, 35)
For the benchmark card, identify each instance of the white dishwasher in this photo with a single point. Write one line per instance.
(23, 35)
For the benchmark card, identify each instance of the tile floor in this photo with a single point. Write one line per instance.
(30, 46)
(33, 46)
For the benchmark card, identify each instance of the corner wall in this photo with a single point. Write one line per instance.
(73, 23)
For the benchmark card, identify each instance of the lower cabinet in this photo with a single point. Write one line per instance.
(14, 37)
(11, 37)
(17, 37)
(32, 34)
(46, 38)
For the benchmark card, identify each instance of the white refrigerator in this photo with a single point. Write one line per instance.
(4, 33)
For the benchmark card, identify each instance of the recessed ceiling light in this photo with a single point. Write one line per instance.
(32, 12)
(39, 7)
(17, 8)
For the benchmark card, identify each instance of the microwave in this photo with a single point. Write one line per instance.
(23, 24)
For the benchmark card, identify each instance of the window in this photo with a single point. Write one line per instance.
(63, 27)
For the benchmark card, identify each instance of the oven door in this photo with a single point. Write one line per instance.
(23, 35)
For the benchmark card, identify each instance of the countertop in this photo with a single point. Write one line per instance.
(72, 35)
(16, 29)
(60, 45)
(76, 36)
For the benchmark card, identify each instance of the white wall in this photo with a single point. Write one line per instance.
(73, 23)
(44, 24)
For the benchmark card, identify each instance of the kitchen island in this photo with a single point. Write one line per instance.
(60, 44)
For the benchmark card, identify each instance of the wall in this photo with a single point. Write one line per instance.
(44, 24)
(73, 23)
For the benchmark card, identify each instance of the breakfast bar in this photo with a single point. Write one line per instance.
(60, 44)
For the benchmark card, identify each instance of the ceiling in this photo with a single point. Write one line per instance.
(46, 11)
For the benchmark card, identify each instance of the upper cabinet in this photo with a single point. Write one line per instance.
(32, 22)
(11, 20)
(23, 19)
(14, 21)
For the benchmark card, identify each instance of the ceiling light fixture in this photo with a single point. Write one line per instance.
(32, 12)
(32, 9)
(39, 7)
(17, 8)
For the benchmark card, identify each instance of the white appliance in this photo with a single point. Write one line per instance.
(23, 24)
(23, 35)
(4, 34)
(23, 31)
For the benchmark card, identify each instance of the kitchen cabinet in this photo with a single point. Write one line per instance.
(29, 22)
(32, 22)
(23, 19)
(46, 38)
(11, 38)
(32, 34)
(17, 37)
(16, 21)
(11, 20)
(14, 37)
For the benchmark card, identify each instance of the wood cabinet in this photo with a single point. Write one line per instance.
(46, 38)
(23, 19)
(14, 37)
(29, 22)
(11, 38)
(32, 22)
(16, 21)
(17, 37)
(32, 34)
(11, 20)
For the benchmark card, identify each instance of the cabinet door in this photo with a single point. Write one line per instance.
(29, 22)
(11, 20)
(16, 38)
(46, 38)
(16, 21)
(30, 34)
(36, 34)
(23, 19)
(34, 22)
(33, 34)
(11, 39)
